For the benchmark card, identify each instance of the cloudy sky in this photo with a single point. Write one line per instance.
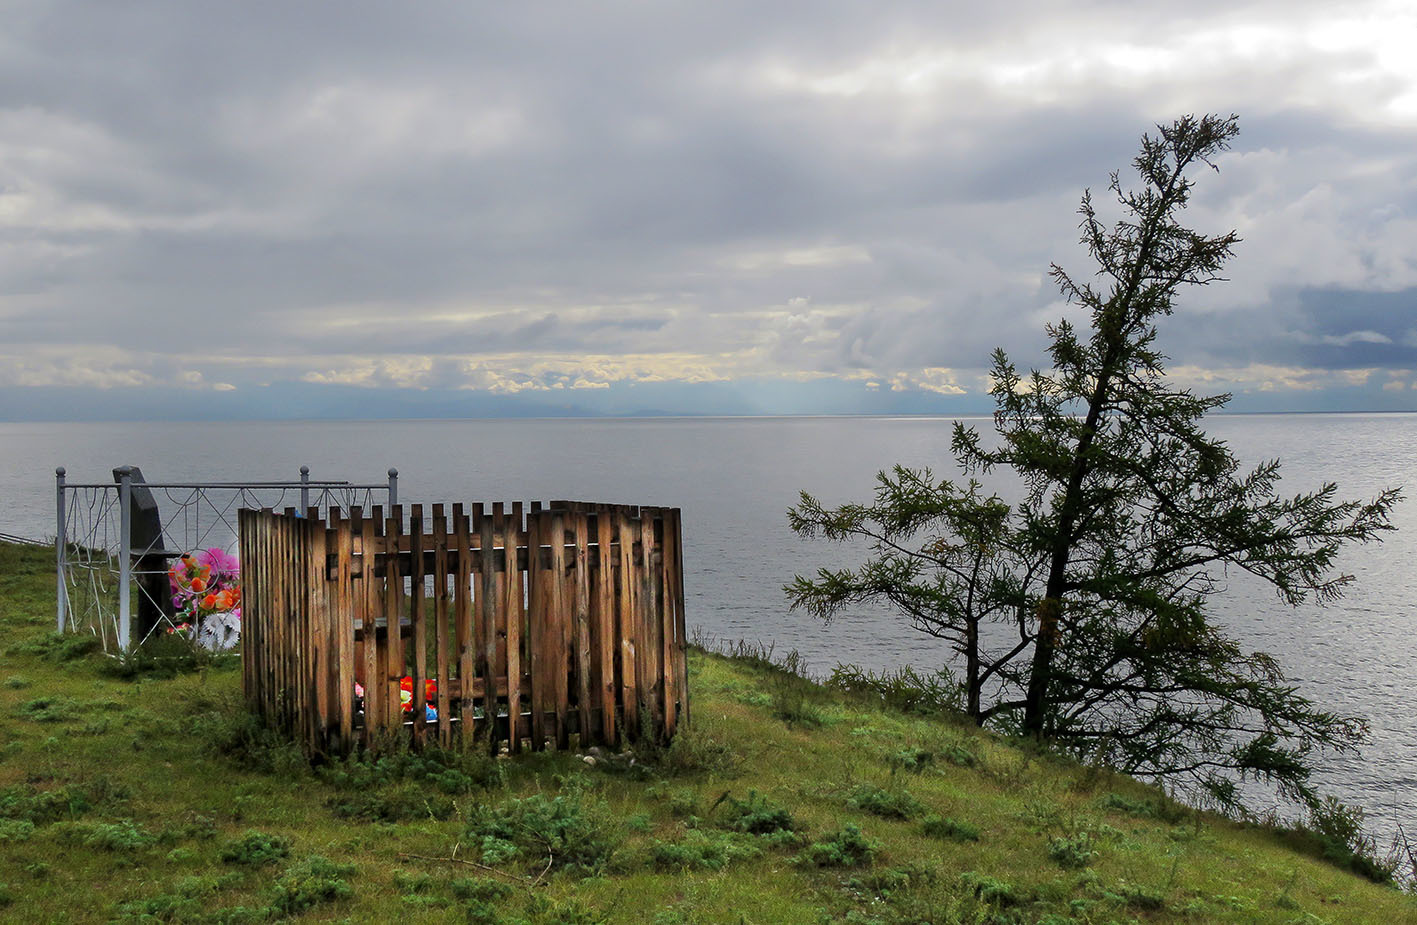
(252, 209)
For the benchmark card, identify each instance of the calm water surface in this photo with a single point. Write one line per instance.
(734, 478)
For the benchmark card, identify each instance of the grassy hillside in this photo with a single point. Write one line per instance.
(151, 799)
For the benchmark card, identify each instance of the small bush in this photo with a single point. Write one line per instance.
(910, 759)
(60, 647)
(991, 891)
(480, 888)
(164, 655)
(313, 881)
(399, 803)
(49, 710)
(16, 683)
(948, 829)
(1338, 829)
(888, 804)
(1149, 808)
(702, 850)
(573, 830)
(255, 849)
(410, 883)
(1073, 852)
(15, 829)
(904, 690)
(846, 848)
(756, 816)
(124, 835)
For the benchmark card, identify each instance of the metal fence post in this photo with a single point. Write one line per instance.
(61, 552)
(393, 486)
(125, 543)
(304, 490)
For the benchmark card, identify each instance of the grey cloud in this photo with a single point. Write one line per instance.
(227, 178)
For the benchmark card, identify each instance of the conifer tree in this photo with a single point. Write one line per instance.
(1095, 591)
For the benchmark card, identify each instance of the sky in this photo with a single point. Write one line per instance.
(249, 210)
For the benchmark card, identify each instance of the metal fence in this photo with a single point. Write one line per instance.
(117, 538)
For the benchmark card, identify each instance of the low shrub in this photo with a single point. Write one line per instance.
(255, 849)
(904, 689)
(309, 883)
(755, 815)
(888, 804)
(848, 847)
(947, 829)
(1073, 852)
(572, 831)
(124, 835)
(701, 850)
(991, 891)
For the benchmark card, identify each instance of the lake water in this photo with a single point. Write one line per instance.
(734, 478)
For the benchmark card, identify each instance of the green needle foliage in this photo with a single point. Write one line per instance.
(1083, 614)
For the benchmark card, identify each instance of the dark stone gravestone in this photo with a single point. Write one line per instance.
(149, 556)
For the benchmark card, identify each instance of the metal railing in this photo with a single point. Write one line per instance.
(113, 537)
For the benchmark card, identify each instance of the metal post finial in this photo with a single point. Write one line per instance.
(393, 486)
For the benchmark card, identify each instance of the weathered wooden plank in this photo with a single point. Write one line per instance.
(393, 612)
(511, 538)
(559, 624)
(487, 620)
(463, 620)
(626, 619)
(442, 644)
(418, 617)
(536, 628)
(581, 640)
(605, 640)
(376, 702)
(680, 629)
(498, 655)
(317, 603)
(344, 629)
(668, 645)
(358, 612)
(652, 680)
(280, 609)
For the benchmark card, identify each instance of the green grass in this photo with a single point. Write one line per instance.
(153, 799)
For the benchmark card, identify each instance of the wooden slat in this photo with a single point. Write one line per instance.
(626, 619)
(317, 597)
(668, 646)
(441, 642)
(498, 656)
(376, 701)
(581, 639)
(680, 629)
(558, 629)
(511, 538)
(536, 629)
(419, 670)
(281, 610)
(344, 628)
(393, 610)
(605, 639)
(652, 683)
(462, 611)
(358, 611)
(487, 620)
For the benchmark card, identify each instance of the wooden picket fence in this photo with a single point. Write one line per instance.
(566, 618)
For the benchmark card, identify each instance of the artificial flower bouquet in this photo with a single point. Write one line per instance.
(206, 592)
(430, 696)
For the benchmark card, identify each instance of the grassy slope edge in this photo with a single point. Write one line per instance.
(117, 804)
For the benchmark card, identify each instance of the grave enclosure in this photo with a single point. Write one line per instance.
(536, 625)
